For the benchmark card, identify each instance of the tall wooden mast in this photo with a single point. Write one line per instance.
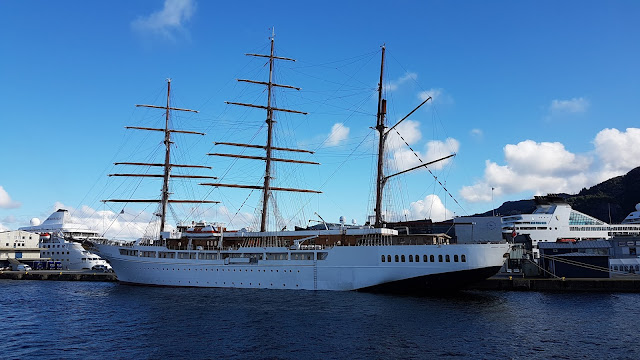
(383, 133)
(380, 127)
(268, 158)
(267, 171)
(167, 165)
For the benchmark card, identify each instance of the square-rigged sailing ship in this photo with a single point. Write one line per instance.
(337, 258)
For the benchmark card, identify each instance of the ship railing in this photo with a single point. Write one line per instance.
(103, 241)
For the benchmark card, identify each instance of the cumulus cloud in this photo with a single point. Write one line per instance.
(433, 150)
(548, 167)
(114, 225)
(545, 158)
(5, 200)
(431, 207)
(339, 133)
(618, 151)
(3, 228)
(395, 84)
(408, 133)
(168, 21)
(575, 105)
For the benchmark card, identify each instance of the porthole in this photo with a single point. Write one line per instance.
(439, 258)
(425, 258)
(388, 258)
(397, 257)
(455, 258)
(417, 258)
(447, 258)
(402, 258)
(463, 258)
(410, 258)
(383, 258)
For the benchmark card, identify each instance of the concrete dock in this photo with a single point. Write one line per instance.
(515, 283)
(58, 275)
(500, 282)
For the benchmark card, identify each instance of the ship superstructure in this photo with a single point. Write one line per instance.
(61, 241)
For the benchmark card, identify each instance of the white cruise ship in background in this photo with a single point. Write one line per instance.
(369, 257)
(61, 241)
(554, 220)
(633, 217)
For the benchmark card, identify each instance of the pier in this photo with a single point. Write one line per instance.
(58, 275)
(515, 283)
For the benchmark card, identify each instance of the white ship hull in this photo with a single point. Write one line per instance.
(336, 268)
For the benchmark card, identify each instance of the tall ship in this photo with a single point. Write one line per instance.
(62, 241)
(343, 257)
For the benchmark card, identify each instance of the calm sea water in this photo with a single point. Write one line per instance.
(85, 320)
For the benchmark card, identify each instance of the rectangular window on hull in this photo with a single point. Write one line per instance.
(302, 256)
(167, 255)
(277, 256)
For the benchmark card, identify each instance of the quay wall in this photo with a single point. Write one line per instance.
(559, 285)
(58, 275)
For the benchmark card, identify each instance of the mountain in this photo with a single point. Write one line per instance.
(610, 201)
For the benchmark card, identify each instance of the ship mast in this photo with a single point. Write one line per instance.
(167, 165)
(269, 148)
(380, 127)
(383, 133)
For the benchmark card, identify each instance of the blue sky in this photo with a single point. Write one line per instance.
(534, 97)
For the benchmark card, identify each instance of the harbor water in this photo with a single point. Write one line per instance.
(96, 320)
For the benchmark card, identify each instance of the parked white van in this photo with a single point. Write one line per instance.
(23, 267)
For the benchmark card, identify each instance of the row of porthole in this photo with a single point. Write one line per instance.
(245, 270)
(425, 258)
(232, 283)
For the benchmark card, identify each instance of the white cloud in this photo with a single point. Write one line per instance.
(619, 151)
(232, 219)
(3, 228)
(550, 168)
(431, 207)
(409, 131)
(435, 149)
(113, 225)
(339, 133)
(545, 158)
(395, 84)
(5, 200)
(167, 21)
(477, 133)
(438, 96)
(575, 105)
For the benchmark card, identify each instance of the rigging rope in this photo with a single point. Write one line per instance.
(430, 172)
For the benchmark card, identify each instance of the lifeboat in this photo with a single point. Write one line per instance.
(201, 230)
